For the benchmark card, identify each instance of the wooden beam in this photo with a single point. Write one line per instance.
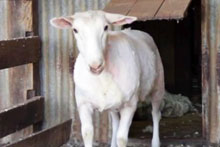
(21, 116)
(120, 6)
(36, 66)
(145, 9)
(35, 17)
(173, 9)
(149, 9)
(53, 137)
(19, 51)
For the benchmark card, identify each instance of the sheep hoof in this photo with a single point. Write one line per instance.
(122, 142)
(155, 143)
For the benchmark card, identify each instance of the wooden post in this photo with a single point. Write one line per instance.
(36, 66)
(211, 69)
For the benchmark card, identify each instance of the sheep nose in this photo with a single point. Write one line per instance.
(96, 65)
(96, 68)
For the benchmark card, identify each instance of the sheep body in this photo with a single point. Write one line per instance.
(113, 71)
(130, 68)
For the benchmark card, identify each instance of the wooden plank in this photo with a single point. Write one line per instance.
(36, 66)
(53, 137)
(210, 69)
(120, 6)
(19, 17)
(145, 9)
(173, 9)
(21, 116)
(19, 51)
(35, 17)
(16, 20)
(149, 9)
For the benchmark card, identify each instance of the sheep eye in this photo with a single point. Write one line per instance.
(106, 28)
(75, 30)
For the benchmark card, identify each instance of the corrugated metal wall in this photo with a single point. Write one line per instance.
(57, 63)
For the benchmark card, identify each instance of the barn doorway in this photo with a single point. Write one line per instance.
(179, 43)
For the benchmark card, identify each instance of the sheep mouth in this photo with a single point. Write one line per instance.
(96, 71)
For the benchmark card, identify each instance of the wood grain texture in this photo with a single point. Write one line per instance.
(19, 18)
(15, 81)
(36, 65)
(21, 116)
(19, 52)
(173, 9)
(52, 137)
(149, 9)
(120, 6)
(145, 9)
(210, 69)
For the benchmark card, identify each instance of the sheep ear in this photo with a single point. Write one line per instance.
(62, 22)
(117, 19)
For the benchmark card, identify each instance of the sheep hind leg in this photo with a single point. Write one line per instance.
(156, 115)
(157, 97)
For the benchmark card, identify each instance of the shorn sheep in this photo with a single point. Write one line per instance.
(113, 71)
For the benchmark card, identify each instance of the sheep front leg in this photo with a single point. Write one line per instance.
(85, 113)
(115, 123)
(126, 115)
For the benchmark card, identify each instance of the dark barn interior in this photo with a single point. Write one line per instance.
(179, 43)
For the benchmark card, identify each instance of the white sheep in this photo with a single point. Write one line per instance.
(113, 71)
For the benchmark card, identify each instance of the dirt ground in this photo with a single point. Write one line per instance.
(187, 127)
